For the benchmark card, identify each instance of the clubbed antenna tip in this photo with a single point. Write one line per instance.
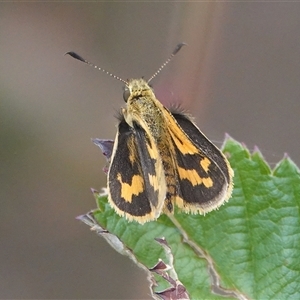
(178, 47)
(76, 56)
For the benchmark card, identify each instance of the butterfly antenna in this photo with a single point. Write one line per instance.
(176, 50)
(76, 56)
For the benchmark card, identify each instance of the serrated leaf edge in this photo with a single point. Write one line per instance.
(177, 290)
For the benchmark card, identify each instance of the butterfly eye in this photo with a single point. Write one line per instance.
(126, 93)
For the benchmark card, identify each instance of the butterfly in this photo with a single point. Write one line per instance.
(160, 159)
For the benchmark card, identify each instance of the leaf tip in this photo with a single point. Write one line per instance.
(94, 191)
(106, 146)
(286, 166)
(256, 149)
(228, 138)
(80, 218)
(256, 152)
(286, 156)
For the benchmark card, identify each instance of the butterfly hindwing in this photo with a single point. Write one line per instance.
(135, 178)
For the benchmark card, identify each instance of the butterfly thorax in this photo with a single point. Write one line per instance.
(144, 109)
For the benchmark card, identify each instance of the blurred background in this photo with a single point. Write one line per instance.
(239, 75)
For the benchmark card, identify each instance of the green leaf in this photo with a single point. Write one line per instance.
(249, 248)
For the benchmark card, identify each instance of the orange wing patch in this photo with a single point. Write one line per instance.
(128, 191)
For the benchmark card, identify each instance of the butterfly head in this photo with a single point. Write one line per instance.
(136, 88)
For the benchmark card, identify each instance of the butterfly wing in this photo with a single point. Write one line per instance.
(136, 181)
(205, 176)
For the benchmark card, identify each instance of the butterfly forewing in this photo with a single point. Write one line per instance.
(133, 179)
(204, 183)
(203, 143)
